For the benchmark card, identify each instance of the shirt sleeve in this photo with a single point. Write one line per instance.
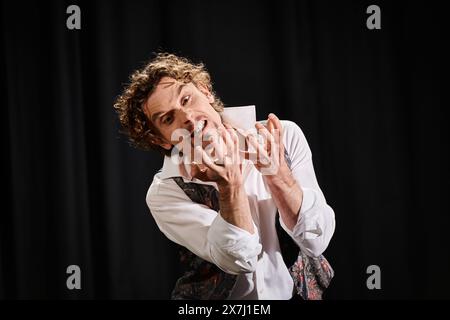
(202, 230)
(316, 222)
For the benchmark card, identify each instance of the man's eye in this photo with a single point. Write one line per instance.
(185, 100)
(167, 120)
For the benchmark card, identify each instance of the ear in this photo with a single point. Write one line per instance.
(204, 89)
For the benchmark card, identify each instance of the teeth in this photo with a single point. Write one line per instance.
(199, 127)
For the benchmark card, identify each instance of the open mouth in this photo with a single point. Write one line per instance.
(199, 127)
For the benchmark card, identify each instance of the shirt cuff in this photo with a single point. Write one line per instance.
(238, 244)
(308, 224)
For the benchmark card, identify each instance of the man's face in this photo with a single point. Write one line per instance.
(176, 105)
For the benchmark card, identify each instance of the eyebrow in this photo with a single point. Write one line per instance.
(157, 114)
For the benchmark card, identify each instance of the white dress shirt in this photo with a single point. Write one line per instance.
(256, 258)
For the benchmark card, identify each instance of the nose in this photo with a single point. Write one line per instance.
(186, 118)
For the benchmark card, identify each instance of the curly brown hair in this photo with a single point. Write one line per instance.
(135, 123)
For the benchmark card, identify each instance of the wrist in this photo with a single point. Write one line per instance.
(234, 207)
(230, 184)
(229, 188)
(284, 178)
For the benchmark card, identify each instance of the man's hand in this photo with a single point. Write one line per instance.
(286, 192)
(223, 164)
(226, 171)
(270, 160)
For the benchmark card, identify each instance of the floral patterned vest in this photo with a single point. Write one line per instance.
(204, 280)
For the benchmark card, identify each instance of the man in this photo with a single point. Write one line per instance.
(221, 202)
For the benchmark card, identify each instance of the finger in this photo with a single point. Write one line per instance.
(218, 147)
(274, 156)
(231, 132)
(276, 147)
(234, 140)
(270, 128)
(242, 137)
(279, 132)
(235, 151)
(262, 130)
(206, 160)
(276, 121)
(230, 146)
(263, 157)
(274, 124)
(242, 132)
(199, 174)
(223, 132)
(270, 125)
(197, 169)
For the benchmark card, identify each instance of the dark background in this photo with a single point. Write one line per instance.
(370, 103)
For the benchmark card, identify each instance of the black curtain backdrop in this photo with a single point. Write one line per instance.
(370, 103)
